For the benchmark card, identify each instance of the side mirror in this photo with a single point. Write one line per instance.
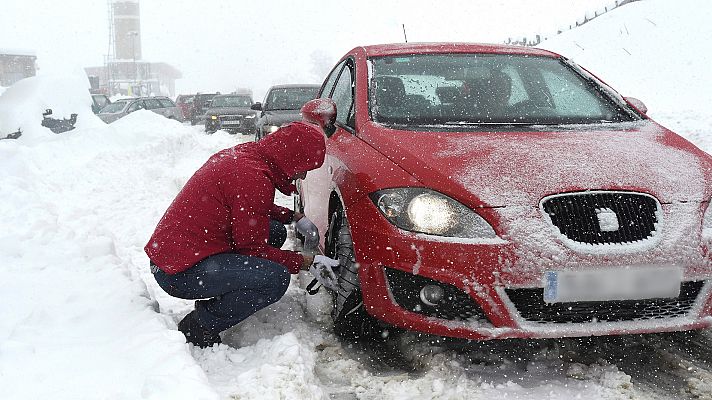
(321, 112)
(639, 105)
(257, 106)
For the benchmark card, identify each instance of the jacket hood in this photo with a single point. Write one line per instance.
(499, 169)
(294, 148)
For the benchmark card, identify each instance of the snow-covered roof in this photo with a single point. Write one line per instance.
(17, 52)
(449, 47)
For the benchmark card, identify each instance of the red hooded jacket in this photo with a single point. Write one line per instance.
(227, 204)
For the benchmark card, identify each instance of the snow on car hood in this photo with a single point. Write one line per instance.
(519, 168)
(514, 170)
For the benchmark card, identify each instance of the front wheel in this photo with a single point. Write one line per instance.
(351, 321)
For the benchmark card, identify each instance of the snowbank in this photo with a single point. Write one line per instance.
(78, 322)
(654, 50)
(22, 105)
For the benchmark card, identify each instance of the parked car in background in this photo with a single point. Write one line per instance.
(489, 192)
(159, 104)
(232, 113)
(185, 103)
(201, 102)
(99, 101)
(281, 106)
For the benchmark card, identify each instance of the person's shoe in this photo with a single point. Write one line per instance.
(196, 333)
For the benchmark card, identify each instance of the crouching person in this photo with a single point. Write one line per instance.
(219, 241)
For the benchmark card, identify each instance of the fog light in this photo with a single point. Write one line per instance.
(431, 294)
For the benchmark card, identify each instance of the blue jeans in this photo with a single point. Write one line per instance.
(234, 286)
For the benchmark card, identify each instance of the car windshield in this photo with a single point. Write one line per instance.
(462, 89)
(115, 107)
(231, 101)
(289, 98)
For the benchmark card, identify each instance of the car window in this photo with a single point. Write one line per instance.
(486, 89)
(570, 98)
(152, 104)
(115, 107)
(137, 105)
(289, 98)
(166, 103)
(100, 101)
(343, 96)
(329, 85)
(231, 101)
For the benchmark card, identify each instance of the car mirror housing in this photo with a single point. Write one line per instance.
(639, 105)
(321, 112)
(257, 106)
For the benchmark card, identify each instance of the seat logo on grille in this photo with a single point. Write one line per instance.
(607, 220)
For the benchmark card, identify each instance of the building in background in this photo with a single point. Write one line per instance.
(125, 72)
(15, 65)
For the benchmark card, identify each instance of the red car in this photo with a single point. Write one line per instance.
(486, 191)
(185, 103)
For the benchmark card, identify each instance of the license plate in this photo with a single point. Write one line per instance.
(612, 284)
(232, 122)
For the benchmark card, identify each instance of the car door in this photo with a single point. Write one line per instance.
(135, 106)
(155, 106)
(170, 109)
(319, 183)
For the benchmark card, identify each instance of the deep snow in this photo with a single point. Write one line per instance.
(82, 318)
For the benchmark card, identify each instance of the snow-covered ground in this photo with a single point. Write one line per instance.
(82, 318)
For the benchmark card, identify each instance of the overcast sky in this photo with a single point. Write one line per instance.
(225, 44)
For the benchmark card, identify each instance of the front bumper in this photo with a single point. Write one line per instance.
(498, 293)
(236, 123)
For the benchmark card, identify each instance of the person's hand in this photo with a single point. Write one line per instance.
(323, 270)
(308, 261)
(310, 233)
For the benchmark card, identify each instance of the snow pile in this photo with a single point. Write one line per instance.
(657, 51)
(22, 105)
(78, 322)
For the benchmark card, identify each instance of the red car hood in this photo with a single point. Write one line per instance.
(494, 169)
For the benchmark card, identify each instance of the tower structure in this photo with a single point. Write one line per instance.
(124, 71)
(126, 29)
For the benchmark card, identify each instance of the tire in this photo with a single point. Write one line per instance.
(351, 321)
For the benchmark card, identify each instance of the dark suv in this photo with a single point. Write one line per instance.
(281, 106)
(232, 113)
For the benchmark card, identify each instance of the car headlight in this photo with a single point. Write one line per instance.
(213, 117)
(250, 116)
(427, 211)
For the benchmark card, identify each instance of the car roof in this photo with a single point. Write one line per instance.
(450, 47)
(233, 95)
(296, 85)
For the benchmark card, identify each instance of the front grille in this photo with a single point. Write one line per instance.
(231, 118)
(578, 216)
(531, 306)
(455, 306)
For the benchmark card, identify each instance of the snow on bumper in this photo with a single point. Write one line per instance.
(497, 275)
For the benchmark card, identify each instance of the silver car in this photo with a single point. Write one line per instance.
(123, 107)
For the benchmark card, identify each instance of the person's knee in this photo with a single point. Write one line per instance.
(280, 279)
(277, 234)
